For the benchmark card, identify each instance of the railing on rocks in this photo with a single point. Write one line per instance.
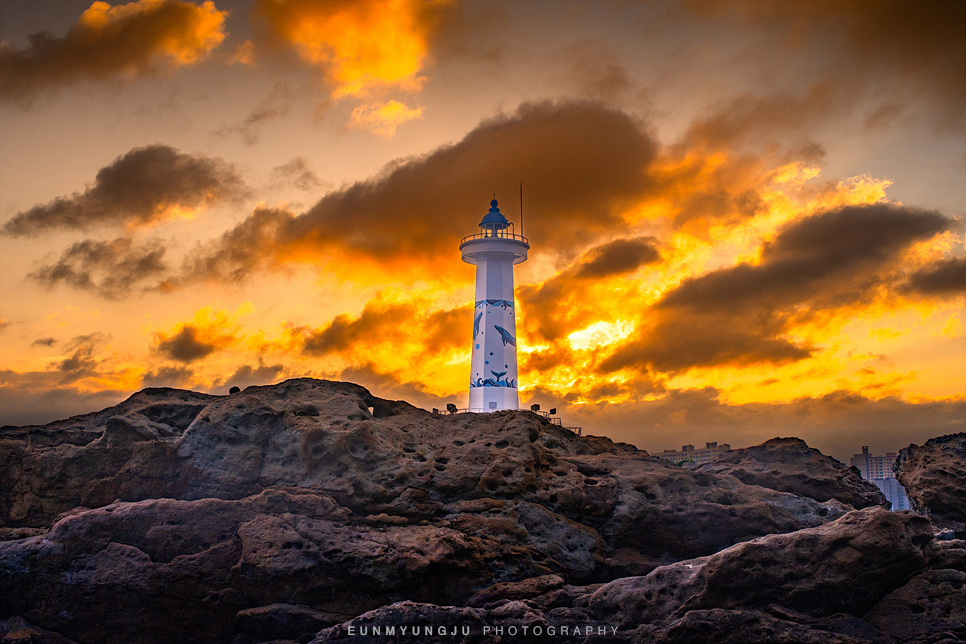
(554, 420)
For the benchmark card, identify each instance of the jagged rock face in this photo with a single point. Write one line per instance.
(859, 579)
(851, 562)
(121, 452)
(277, 511)
(934, 476)
(210, 557)
(789, 465)
(395, 460)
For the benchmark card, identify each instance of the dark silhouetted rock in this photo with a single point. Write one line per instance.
(17, 630)
(283, 621)
(934, 476)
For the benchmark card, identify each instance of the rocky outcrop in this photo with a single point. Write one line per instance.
(123, 452)
(17, 630)
(303, 509)
(934, 476)
(214, 561)
(863, 578)
(388, 458)
(789, 465)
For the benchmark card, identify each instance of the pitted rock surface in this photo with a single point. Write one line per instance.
(291, 512)
(789, 465)
(934, 476)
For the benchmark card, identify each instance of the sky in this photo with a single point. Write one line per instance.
(746, 218)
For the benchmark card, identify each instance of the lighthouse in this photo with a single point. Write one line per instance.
(493, 371)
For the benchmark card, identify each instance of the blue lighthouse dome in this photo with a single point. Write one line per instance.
(494, 218)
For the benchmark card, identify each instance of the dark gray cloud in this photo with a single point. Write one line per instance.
(247, 375)
(137, 189)
(243, 250)
(799, 264)
(921, 43)
(82, 361)
(582, 166)
(739, 315)
(250, 129)
(109, 268)
(167, 377)
(187, 345)
(941, 278)
(44, 342)
(113, 44)
(298, 174)
(618, 257)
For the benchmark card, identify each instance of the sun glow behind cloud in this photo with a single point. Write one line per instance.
(688, 272)
(361, 46)
(130, 41)
(383, 118)
(185, 46)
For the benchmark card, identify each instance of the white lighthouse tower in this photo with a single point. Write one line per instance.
(493, 372)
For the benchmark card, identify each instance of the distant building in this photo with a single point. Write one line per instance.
(894, 491)
(711, 452)
(878, 470)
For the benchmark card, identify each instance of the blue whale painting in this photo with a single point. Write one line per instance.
(476, 324)
(498, 381)
(505, 335)
(504, 303)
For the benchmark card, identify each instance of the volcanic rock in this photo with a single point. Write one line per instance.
(789, 465)
(381, 457)
(934, 476)
(841, 567)
(863, 578)
(17, 630)
(299, 510)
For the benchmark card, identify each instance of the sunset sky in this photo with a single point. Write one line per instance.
(747, 219)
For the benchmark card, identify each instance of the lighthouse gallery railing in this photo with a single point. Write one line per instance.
(495, 234)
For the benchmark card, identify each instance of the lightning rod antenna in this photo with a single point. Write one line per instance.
(521, 208)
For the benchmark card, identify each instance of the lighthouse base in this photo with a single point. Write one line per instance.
(486, 399)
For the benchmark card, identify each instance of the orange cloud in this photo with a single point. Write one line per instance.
(244, 54)
(383, 118)
(742, 314)
(405, 330)
(109, 268)
(129, 41)
(588, 165)
(360, 45)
